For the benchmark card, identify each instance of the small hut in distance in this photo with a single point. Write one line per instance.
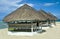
(53, 18)
(50, 17)
(25, 19)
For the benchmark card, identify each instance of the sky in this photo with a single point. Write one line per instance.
(8, 6)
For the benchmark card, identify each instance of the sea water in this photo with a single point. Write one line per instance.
(3, 25)
(58, 20)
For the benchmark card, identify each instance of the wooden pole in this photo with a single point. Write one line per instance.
(47, 22)
(41, 27)
(37, 25)
(31, 27)
(54, 23)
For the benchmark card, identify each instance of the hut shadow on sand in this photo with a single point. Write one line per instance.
(47, 26)
(43, 31)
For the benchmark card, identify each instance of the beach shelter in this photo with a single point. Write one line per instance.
(53, 18)
(24, 19)
(45, 15)
(50, 17)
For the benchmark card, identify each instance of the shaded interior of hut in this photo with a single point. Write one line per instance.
(24, 25)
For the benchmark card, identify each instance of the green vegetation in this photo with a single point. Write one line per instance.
(10, 28)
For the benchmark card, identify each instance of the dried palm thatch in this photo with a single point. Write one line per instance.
(52, 16)
(48, 16)
(25, 12)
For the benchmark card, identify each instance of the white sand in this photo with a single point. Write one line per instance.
(22, 33)
(51, 33)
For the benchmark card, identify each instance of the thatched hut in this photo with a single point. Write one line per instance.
(53, 18)
(50, 17)
(23, 19)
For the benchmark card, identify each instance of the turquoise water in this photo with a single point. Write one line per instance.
(3, 25)
(58, 20)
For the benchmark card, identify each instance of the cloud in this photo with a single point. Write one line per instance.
(10, 5)
(30, 4)
(9, 2)
(6, 5)
(50, 4)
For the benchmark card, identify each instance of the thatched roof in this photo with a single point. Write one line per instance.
(25, 12)
(52, 16)
(48, 15)
(44, 14)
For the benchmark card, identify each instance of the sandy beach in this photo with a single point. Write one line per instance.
(51, 33)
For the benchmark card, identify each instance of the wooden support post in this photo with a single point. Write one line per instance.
(41, 28)
(54, 23)
(47, 22)
(37, 25)
(50, 21)
(31, 27)
(36, 28)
